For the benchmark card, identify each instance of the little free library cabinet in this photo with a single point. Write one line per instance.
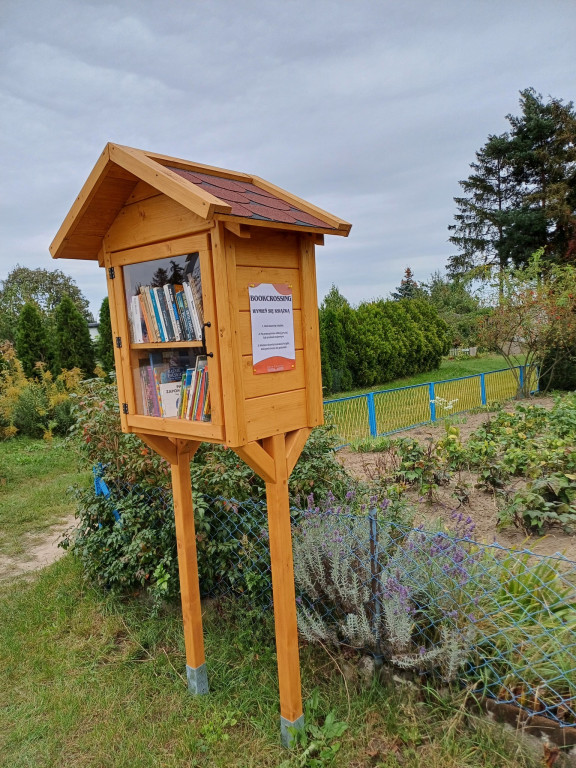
(212, 289)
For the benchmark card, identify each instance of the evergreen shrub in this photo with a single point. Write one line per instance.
(378, 341)
(105, 344)
(32, 345)
(73, 346)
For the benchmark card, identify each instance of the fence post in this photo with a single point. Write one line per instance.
(372, 415)
(483, 388)
(521, 367)
(375, 577)
(432, 403)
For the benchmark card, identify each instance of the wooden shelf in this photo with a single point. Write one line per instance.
(166, 345)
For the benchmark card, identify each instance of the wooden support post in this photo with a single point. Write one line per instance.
(188, 567)
(284, 593)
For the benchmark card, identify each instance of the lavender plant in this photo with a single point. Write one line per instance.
(400, 594)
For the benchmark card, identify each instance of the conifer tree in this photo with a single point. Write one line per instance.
(73, 345)
(32, 344)
(521, 195)
(408, 288)
(105, 343)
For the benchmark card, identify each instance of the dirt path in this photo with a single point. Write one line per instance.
(43, 551)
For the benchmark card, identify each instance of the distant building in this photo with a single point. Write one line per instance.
(93, 328)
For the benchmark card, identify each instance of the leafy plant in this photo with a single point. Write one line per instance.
(549, 500)
(36, 407)
(229, 506)
(319, 742)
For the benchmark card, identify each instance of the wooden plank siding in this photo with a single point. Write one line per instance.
(274, 403)
(151, 220)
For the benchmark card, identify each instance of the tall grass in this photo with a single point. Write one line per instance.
(92, 681)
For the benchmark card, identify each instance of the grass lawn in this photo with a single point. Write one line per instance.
(89, 680)
(34, 477)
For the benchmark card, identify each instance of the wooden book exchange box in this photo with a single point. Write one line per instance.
(212, 289)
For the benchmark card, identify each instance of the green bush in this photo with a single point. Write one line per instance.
(558, 371)
(229, 505)
(72, 343)
(105, 344)
(32, 341)
(378, 341)
(35, 407)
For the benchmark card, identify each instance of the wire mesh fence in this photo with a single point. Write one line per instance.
(392, 410)
(432, 602)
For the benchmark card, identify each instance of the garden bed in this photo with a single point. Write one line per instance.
(482, 505)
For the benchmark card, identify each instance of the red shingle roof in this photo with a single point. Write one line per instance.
(250, 201)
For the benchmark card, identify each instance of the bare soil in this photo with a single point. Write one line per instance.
(480, 505)
(40, 553)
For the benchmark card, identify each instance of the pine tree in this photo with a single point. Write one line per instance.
(32, 344)
(160, 278)
(73, 345)
(105, 343)
(176, 276)
(483, 217)
(521, 195)
(408, 288)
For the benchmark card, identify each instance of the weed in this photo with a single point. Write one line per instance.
(319, 741)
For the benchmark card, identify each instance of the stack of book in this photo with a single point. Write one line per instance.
(174, 386)
(168, 312)
(194, 402)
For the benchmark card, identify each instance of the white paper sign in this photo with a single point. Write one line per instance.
(272, 322)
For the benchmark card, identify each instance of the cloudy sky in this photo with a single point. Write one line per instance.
(371, 109)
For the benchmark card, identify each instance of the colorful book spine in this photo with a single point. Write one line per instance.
(147, 301)
(193, 312)
(185, 315)
(174, 319)
(157, 314)
(196, 288)
(165, 315)
(147, 323)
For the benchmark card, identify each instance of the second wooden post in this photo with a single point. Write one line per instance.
(279, 529)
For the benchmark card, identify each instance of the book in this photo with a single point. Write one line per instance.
(135, 320)
(193, 312)
(173, 311)
(201, 396)
(185, 314)
(207, 412)
(190, 397)
(150, 402)
(157, 314)
(164, 315)
(147, 323)
(169, 396)
(185, 391)
(196, 288)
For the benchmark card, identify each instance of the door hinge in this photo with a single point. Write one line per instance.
(125, 408)
(111, 273)
(119, 342)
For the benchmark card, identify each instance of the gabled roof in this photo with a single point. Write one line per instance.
(209, 192)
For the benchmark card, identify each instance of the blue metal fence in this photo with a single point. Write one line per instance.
(393, 410)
